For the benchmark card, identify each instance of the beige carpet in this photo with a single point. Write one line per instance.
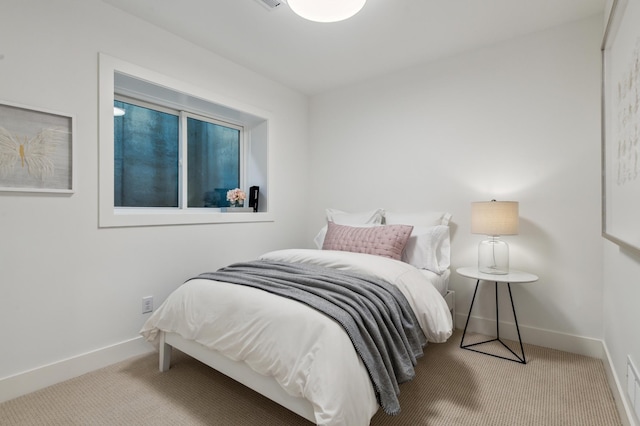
(453, 387)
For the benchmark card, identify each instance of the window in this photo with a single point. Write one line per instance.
(146, 160)
(176, 151)
(214, 162)
(147, 157)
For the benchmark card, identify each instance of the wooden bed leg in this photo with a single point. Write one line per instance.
(165, 354)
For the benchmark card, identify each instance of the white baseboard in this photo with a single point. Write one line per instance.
(618, 391)
(535, 336)
(29, 381)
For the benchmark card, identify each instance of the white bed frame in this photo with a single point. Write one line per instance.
(237, 370)
(241, 372)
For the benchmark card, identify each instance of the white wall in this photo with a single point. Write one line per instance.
(67, 287)
(516, 121)
(519, 120)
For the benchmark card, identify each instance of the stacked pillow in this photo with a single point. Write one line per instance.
(429, 246)
(386, 241)
(420, 239)
(364, 219)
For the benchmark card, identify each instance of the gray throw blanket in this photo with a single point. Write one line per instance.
(374, 313)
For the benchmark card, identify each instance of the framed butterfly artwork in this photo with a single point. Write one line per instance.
(36, 150)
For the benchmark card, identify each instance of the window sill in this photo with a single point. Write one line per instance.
(126, 217)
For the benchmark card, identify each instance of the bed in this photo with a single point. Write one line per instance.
(288, 351)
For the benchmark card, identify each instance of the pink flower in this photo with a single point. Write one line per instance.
(237, 194)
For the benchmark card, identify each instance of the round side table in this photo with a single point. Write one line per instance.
(512, 277)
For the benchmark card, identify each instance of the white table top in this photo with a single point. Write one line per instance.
(513, 276)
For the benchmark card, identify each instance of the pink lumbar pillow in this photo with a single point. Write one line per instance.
(385, 240)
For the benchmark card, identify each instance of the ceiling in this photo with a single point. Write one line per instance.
(387, 35)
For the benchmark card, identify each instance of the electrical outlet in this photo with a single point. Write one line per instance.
(147, 304)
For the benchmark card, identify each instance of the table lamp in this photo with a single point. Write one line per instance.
(494, 218)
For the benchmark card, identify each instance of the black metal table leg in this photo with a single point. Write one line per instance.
(515, 318)
(473, 300)
(472, 347)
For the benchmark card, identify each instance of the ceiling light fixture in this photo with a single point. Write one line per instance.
(326, 10)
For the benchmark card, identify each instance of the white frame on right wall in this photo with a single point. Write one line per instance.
(621, 125)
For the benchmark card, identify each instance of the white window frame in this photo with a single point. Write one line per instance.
(144, 85)
(184, 164)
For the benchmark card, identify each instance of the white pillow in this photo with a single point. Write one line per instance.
(424, 219)
(429, 248)
(363, 219)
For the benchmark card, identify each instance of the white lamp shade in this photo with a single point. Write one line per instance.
(326, 10)
(494, 217)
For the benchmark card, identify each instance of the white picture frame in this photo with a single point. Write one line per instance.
(621, 125)
(36, 150)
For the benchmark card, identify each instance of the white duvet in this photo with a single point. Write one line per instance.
(308, 353)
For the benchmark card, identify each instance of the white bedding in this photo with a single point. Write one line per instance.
(439, 281)
(308, 353)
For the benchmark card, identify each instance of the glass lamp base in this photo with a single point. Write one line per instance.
(493, 256)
